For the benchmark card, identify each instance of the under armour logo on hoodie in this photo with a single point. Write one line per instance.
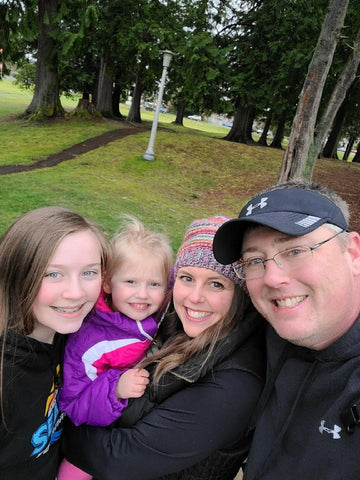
(335, 431)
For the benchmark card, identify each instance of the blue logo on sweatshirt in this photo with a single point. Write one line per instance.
(48, 432)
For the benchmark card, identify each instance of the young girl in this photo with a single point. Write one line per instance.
(98, 374)
(51, 263)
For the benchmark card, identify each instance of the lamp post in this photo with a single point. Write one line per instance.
(149, 154)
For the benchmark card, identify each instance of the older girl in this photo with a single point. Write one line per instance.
(51, 264)
(206, 378)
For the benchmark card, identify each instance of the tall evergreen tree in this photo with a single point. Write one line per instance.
(46, 100)
(272, 43)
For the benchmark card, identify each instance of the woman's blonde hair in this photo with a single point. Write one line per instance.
(134, 237)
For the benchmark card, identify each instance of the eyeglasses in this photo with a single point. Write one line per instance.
(287, 260)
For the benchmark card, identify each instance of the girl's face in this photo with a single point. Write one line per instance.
(70, 287)
(138, 287)
(201, 298)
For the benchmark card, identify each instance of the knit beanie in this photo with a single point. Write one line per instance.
(196, 249)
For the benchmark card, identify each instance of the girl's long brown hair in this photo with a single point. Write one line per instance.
(25, 250)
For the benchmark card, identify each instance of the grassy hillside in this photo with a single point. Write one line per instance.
(195, 173)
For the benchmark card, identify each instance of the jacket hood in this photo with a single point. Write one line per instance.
(35, 355)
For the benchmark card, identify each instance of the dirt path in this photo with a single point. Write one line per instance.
(75, 150)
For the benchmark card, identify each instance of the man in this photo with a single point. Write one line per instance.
(302, 271)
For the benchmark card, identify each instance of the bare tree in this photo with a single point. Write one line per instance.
(343, 84)
(301, 141)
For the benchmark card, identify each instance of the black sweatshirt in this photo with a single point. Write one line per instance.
(31, 424)
(300, 433)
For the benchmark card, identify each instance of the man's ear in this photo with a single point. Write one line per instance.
(353, 249)
(107, 286)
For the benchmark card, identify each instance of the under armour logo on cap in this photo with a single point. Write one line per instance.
(252, 207)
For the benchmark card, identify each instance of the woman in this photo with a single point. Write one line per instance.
(206, 378)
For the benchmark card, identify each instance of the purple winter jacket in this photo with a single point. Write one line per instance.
(107, 344)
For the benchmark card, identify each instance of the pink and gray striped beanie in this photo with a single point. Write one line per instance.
(196, 249)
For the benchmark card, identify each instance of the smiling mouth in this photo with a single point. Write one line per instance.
(140, 306)
(196, 314)
(67, 310)
(290, 302)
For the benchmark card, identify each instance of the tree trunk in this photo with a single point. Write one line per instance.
(349, 147)
(134, 112)
(116, 101)
(356, 158)
(46, 101)
(263, 138)
(238, 132)
(94, 89)
(104, 90)
(180, 111)
(330, 148)
(338, 95)
(250, 121)
(279, 134)
(301, 145)
(85, 109)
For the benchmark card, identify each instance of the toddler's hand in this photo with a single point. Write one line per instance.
(132, 383)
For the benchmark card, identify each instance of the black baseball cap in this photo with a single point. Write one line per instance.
(294, 211)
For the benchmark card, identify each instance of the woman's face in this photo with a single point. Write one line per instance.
(202, 298)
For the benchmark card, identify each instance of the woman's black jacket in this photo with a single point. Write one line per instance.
(193, 425)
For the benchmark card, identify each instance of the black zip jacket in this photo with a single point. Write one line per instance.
(196, 420)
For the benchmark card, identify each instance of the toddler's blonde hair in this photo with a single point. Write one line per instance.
(134, 237)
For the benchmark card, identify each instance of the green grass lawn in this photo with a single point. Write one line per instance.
(195, 172)
(14, 100)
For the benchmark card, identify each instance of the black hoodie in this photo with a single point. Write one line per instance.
(31, 424)
(300, 433)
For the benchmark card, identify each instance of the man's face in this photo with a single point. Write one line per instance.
(315, 303)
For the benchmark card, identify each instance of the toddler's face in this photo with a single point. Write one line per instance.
(138, 287)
